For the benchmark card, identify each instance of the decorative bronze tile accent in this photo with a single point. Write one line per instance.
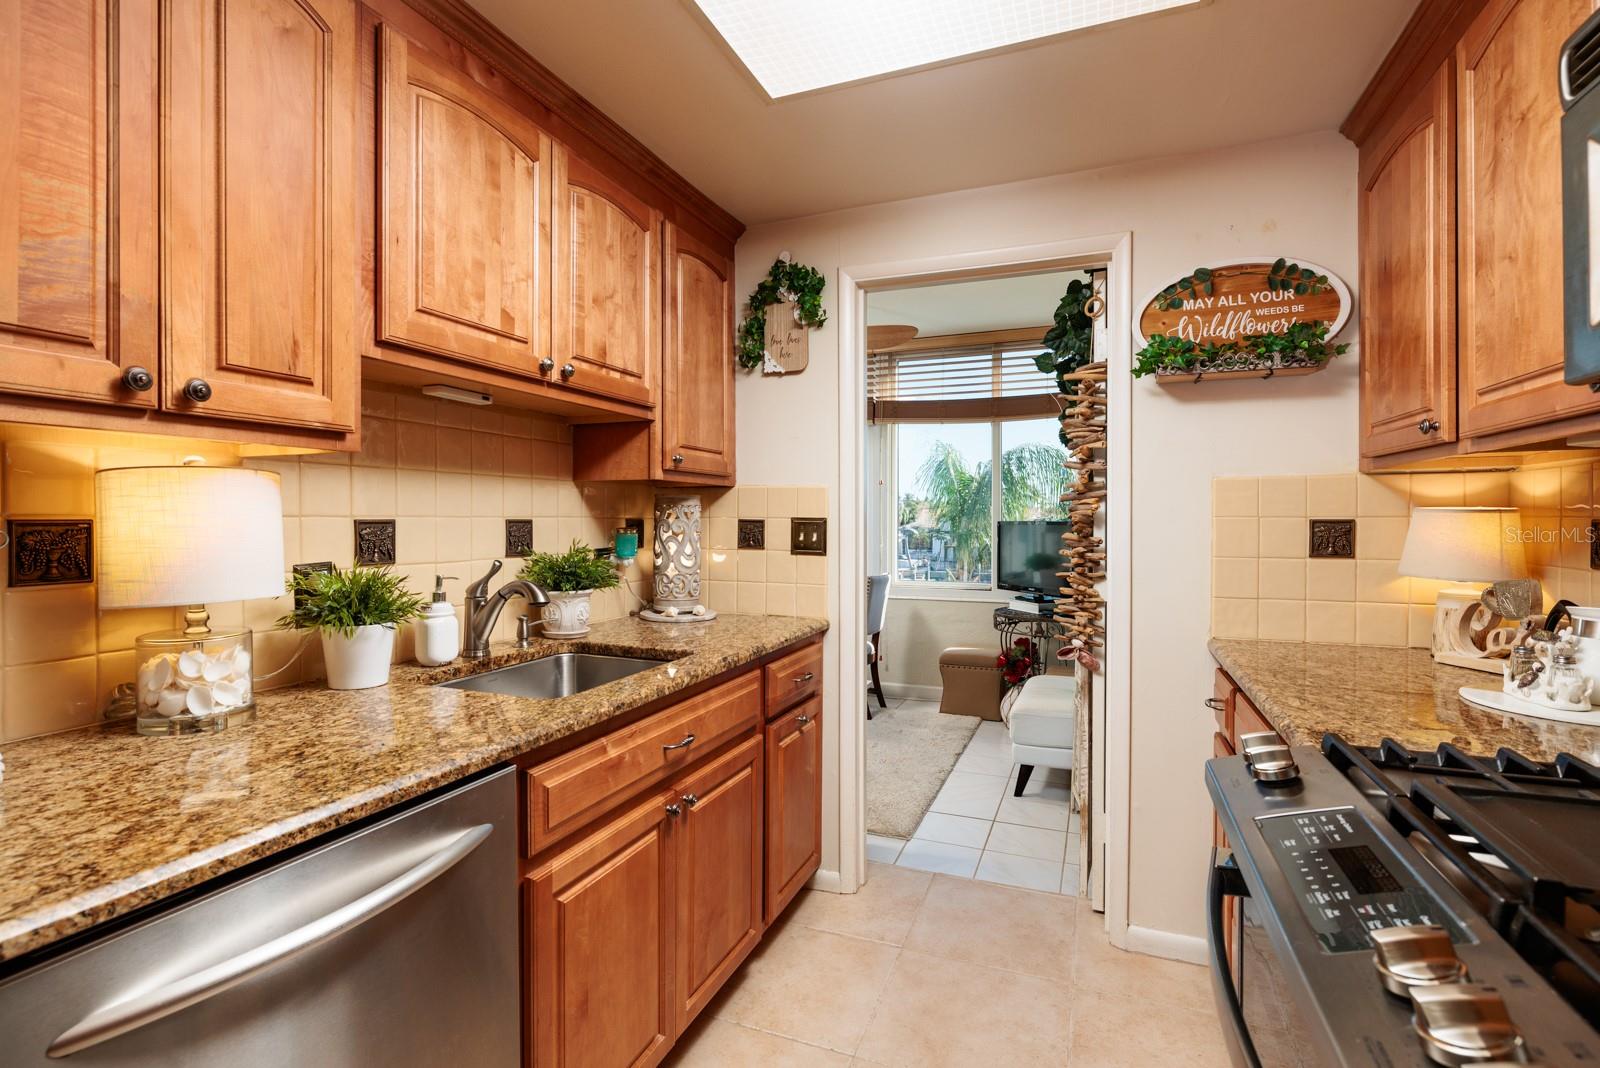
(375, 541)
(808, 537)
(320, 567)
(519, 537)
(1594, 545)
(45, 552)
(1333, 539)
(752, 533)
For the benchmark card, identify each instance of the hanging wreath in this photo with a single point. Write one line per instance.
(786, 281)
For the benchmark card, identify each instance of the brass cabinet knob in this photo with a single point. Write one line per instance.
(1428, 426)
(802, 719)
(690, 800)
(197, 390)
(677, 458)
(567, 370)
(138, 379)
(547, 365)
(674, 810)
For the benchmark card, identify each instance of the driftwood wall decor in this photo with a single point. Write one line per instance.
(1080, 611)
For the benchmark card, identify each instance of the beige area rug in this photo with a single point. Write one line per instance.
(910, 751)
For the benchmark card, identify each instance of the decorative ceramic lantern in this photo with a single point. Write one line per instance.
(677, 562)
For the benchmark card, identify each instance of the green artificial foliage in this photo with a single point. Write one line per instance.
(786, 280)
(1283, 277)
(342, 600)
(1304, 341)
(575, 570)
(1071, 339)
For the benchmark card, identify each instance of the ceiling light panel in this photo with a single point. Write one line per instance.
(830, 42)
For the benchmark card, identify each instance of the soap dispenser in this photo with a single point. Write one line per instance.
(438, 632)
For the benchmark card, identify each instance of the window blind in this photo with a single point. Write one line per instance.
(956, 385)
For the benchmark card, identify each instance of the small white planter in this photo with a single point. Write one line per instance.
(360, 661)
(567, 614)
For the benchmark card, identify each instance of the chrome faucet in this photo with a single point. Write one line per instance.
(483, 610)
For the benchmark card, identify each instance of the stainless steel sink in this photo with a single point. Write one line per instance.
(561, 675)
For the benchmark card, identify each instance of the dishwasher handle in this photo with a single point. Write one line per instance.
(135, 1012)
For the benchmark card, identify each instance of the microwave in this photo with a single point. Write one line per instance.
(1579, 73)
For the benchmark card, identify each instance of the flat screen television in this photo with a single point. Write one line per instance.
(1027, 555)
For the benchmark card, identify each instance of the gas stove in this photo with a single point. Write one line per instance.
(1383, 907)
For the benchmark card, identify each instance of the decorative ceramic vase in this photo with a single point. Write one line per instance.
(567, 614)
(360, 660)
(677, 554)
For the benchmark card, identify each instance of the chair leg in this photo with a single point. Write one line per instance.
(1022, 779)
(877, 684)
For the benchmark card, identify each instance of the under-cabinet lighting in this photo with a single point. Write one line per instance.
(460, 396)
(832, 42)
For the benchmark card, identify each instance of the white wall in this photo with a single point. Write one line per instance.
(1294, 197)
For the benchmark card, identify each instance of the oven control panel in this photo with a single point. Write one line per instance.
(1345, 879)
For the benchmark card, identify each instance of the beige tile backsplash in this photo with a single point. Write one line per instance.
(1263, 585)
(448, 475)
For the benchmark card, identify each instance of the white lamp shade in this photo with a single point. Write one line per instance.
(187, 536)
(1464, 545)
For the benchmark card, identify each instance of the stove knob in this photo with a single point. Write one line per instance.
(1464, 1023)
(1409, 957)
(1268, 757)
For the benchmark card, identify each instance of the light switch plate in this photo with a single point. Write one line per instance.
(808, 537)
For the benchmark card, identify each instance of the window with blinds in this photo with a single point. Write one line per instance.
(958, 385)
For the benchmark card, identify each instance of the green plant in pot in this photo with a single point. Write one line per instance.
(356, 613)
(568, 578)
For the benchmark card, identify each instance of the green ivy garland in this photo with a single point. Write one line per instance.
(1304, 340)
(786, 280)
(1071, 339)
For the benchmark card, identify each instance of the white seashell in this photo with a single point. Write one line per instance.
(217, 668)
(200, 702)
(670, 613)
(156, 673)
(191, 664)
(699, 610)
(228, 695)
(171, 702)
(241, 662)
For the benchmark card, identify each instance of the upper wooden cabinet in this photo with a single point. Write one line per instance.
(78, 198)
(697, 382)
(1512, 339)
(1408, 322)
(463, 216)
(258, 245)
(608, 284)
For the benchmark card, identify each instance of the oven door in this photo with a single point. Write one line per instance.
(1260, 1023)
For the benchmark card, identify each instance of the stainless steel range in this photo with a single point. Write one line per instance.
(1385, 908)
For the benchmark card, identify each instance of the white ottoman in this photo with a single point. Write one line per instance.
(1042, 722)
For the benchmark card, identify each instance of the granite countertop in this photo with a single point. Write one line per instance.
(1368, 694)
(95, 823)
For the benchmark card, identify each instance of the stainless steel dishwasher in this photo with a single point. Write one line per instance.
(394, 944)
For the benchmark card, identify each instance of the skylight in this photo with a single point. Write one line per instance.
(797, 48)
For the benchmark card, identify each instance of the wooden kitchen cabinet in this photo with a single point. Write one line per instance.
(464, 245)
(607, 318)
(1408, 321)
(794, 811)
(258, 242)
(717, 836)
(697, 376)
(78, 195)
(1509, 227)
(600, 931)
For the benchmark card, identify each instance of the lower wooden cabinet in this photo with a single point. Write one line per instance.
(794, 812)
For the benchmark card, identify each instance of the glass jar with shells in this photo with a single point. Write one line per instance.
(188, 683)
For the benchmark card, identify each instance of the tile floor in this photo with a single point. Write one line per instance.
(977, 829)
(926, 970)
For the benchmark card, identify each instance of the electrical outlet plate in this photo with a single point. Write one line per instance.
(322, 567)
(808, 537)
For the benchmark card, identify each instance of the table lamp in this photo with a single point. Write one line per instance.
(1465, 545)
(186, 536)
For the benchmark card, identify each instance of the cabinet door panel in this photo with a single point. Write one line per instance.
(1511, 335)
(464, 216)
(719, 874)
(794, 803)
(77, 198)
(697, 374)
(608, 304)
(1408, 275)
(600, 947)
(259, 237)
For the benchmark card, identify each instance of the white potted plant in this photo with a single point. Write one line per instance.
(568, 579)
(356, 613)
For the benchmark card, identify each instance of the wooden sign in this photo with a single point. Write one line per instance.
(788, 343)
(1227, 303)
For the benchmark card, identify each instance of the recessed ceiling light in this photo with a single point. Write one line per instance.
(795, 49)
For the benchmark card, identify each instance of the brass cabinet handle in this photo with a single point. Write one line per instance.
(567, 370)
(690, 800)
(197, 390)
(547, 365)
(138, 379)
(674, 810)
(677, 458)
(801, 680)
(1428, 426)
(1215, 704)
(688, 740)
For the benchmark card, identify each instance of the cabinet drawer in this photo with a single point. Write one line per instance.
(564, 793)
(1247, 718)
(793, 678)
